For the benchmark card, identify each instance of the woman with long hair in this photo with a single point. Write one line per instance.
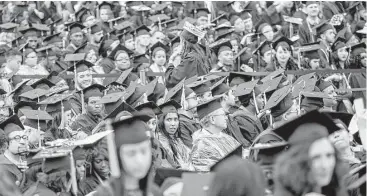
(194, 60)
(169, 135)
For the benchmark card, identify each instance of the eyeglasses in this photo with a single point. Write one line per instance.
(18, 138)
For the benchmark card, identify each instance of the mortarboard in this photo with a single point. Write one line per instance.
(21, 87)
(352, 9)
(140, 59)
(236, 152)
(170, 106)
(236, 78)
(118, 49)
(118, 80)
(307, 128)
(56, 102)
(175, 42)
(122, 106)
(35, 118)
(273, 75)
(175, 92)
(196, 184)
(105, 5)
(280, 101)
(164, 173)
(131, 130)
(245, 88)
(343, 116)
(142, 30)
(263, 47)
(280, 40)
(75, 27)
(34, 94)
(190, 30)
(358, 48)
(311, 51)
(80, 14)
(51, 39)
(200, 87)
(81, 66)
(156, 47)
(338, 43)
(60, 66)
(177, 3)
(160, 7)
(170, 23)
(11, 124)
(137, 95)
(81, 49)
(151, 86)
(42, 83)
(292, 20)
(94, 90)
(221, 45)
(95, 28)
(111, 101)
(220, 87)
(158, 92)
(25, 105)
(149, 108)
(200, 12)
(268, 87)
(304, 83)
(313, 100)
(321, 28)
(30, 32)
(132, 3)
(208, 107)
(220, 19)
(308, 3)
(260, 25)
(159, 18)
(8, 27)
(223, 32)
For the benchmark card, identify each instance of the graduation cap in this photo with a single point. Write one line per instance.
(170, 106)
(25, 105)
(220, 87)
(208, 107)
(323, 84)
(354, 6)
(160, 7)
(151, 86)
(268, 87)
(57, 103)
(118, 49)
(119, 80)
(245, 88)
(36, 118)
(175, 42)
(236, 78)
(111, 101)
(273, 75)
(158, 46)
(105, 5)
(220, 19)
(282, 40)
(11, 124)
(42, 83)
(95, 28)
(307, 128)
(343, 116)
(149, 108)
(175, 92)
(196, 184)
(192, 29)
(169, 23)
(122, 106)
(338, 43)
(262, 48)
(279, 102)
(305, 83)
(311, 51)
(159, 18)
(200, 12)
(358, 48)
(260, 25)
(222, 45)
(75, 27)
(131, 130)
(292, 20)
(137, 95)
(34, 94)
(312, 100)
(200, 87)
(81, 66)
(94, 90)
(82, 14)
(51, 39)
(164, 173)
(8, 27)
(158, 92)
(30, 32)
(41, 27)
(142, 30)
(323, 27)
(237, 152)
(140, 59)
(223, 32)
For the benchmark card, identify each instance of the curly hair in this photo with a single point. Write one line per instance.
(292, 173)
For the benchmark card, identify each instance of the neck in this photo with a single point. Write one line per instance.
(131, 183)
(347, 154)
(225, 106)
(282, 64)
(213, 129)
(312, 17)
(342, 64)
(140, 49)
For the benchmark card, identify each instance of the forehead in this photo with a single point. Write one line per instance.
(171, 115)
(15, 133)
(160, 52)
(84, 72)
(77, 34)
(94, 98)
(320, 147)
(142, 145)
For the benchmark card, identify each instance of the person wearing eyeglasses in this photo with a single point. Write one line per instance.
(13, 158)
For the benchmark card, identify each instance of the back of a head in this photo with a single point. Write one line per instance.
(238, 177)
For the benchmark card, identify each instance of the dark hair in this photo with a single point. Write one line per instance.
(355, 62)
(165, 133)
(245, 100)
(335, 60)
(12, 52)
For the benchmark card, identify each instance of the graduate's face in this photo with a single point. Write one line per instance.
(84, 79)
(171, 123)
(363, 59)
(230, 98)
(226, 57)
(80, 168)
(313, 10)
(130, 44)
(152, 124)
(157, 37)
(239, 25)
(202, 20)
(122, 61)
(204, 97)
(32, 42)
(314, 63)
(91, 56)
(104, 14)
(160, 57)
(283, 55)
(248, 24)
(322, 161)
(330, 35)
(14, 61)
(331, 92)
(98, 37)
(260, 101)
(77, 38)
(136, 159)
(340, 139)
(18, 141)
(94, 106)
(234, 44)
(191, 100)
(31, 59)
(144, 40)
(342, 54)
(268, 32)
(101, 165)
(268, 56)
(219, 118)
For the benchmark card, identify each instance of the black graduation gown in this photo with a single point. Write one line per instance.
(305, 35)
(188, 125)
(85, 122)
(358, 80)
(75, 102)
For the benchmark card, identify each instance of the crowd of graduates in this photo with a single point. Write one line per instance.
(226, 98)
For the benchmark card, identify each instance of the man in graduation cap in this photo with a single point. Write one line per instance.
(76, 37)
(96, 36)
(224, 52)
(307, 33)
(13, 158)
(210, 144)
(94, 110)
(142, 38)
(326, 33)
(31, 35)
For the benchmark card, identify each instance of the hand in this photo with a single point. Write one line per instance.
(246, 68)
